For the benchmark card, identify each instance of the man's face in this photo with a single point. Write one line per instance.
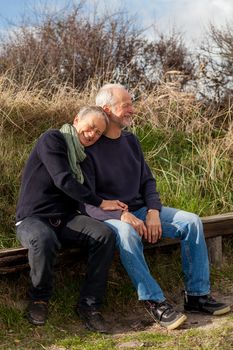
(89, 129)
(122, 109)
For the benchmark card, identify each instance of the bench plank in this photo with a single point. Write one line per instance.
(215, 227)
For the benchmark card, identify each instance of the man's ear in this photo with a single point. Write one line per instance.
(107, 109)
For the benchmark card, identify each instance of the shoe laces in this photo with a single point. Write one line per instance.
(155, 305)
(210, 298)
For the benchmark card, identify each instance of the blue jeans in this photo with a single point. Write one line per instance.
(175, 224)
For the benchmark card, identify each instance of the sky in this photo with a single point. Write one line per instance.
(190, 17)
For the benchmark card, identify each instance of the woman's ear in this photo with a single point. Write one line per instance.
(76, 119)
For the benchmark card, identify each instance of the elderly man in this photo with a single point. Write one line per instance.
(116, 168)
(47, 217)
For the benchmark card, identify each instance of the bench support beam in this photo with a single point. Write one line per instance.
(214, 246)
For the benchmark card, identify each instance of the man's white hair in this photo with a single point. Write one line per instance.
(105, 94)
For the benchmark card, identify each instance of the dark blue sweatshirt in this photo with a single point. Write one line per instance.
(116, 169)
(48, 188)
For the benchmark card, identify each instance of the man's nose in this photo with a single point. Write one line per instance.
(131, 109)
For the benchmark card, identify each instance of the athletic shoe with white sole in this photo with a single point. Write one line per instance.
(164, 314)
(205, 304)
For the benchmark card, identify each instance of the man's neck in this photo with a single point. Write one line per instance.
(113, 131)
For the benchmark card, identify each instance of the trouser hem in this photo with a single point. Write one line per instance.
(198, 294)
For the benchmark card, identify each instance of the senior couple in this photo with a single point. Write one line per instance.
(96, 163)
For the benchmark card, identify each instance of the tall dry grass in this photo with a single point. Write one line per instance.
(30, 109)
(192, 159)
(188, 145)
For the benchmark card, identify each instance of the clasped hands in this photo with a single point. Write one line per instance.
(150, 230)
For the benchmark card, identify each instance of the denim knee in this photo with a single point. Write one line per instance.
(126, 236)
(194, 219)
(192, 227)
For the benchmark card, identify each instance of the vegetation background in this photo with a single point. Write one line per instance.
(54, 66)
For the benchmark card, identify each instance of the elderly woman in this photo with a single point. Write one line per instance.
(47, 216)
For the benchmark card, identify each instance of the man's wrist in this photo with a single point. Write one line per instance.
(152, 210)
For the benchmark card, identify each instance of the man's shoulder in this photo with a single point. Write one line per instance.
(128, 135)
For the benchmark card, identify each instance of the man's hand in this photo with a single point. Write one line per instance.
(137, 224)
(153, 224)
(113, 205)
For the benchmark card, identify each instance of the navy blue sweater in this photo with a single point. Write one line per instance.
(116, 169)
(48, 188)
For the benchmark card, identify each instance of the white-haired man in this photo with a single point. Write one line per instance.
(116, 168)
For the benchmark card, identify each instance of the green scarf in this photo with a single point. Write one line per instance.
(76, 152)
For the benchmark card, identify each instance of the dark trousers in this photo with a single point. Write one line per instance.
(43, 241)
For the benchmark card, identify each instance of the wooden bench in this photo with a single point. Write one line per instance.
(215, 227)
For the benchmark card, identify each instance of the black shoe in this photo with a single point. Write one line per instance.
(164, 314)
(205, 304)
(93, 319)
(37, 312)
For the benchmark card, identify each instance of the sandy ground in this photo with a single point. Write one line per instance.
(139, 320)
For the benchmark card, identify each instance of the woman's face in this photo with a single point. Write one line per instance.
(90, 128)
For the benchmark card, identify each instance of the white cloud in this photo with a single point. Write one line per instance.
(193, 17)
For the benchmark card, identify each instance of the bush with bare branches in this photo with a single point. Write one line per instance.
(73, 49)
(216, 65)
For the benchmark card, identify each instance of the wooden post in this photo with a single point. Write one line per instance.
(214, 246)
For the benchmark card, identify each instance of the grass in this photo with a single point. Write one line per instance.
(65, 331)
(189, 149)
(193, 172)
(192, 339)
(188, 146)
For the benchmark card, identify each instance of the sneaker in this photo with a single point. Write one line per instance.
(93, 319)
(205, 304)
(37, 312)
(164, 314)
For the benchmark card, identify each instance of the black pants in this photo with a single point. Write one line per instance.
(44, 241)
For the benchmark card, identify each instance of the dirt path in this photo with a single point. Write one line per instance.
(139, 320)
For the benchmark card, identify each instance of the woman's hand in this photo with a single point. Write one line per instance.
(137, 224)
(113, 205)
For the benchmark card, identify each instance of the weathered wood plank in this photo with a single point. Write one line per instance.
(12, 251)
(15, 259)
(218, 225)
(9, 260)
(217, 218)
